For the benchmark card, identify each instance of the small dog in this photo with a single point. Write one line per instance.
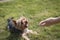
(50, 21)
(20, 26)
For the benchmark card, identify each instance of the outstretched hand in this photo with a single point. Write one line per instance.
(49, 21)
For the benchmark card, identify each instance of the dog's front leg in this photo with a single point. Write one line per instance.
(24, 35)
(33, 32)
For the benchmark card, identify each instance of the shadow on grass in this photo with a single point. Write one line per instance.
(13, 36)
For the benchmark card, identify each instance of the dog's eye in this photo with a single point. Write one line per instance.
(21, 22)
(26, 22)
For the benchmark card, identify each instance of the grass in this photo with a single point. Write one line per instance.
(34, 11)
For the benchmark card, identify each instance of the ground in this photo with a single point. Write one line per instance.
(35, 11)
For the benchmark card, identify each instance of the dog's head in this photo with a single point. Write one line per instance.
(22, 23)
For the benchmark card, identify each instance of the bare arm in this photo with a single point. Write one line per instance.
(50, 21)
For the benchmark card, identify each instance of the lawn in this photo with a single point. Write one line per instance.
(35, 11)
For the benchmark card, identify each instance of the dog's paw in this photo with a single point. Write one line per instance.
(35, 32)
(28, 39)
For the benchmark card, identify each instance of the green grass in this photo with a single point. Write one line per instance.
(34, 11)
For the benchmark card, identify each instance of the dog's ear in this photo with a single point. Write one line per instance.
(15, 22)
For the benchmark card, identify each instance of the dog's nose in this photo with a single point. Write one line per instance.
(26, 24)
